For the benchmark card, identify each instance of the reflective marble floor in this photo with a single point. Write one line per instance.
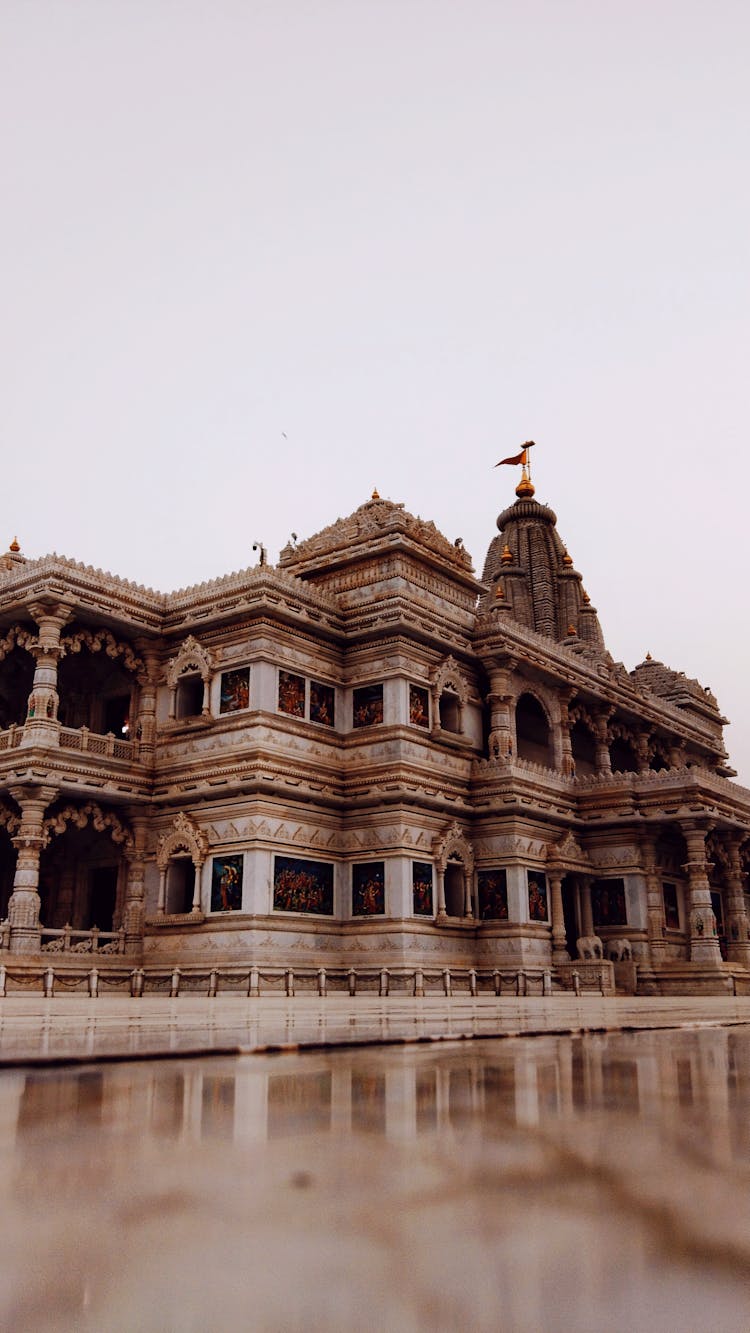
(551, 1183)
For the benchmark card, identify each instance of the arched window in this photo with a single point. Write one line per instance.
(449, 706)
(533, 731)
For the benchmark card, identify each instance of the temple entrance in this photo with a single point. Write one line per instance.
(533, 732)
(82, 870)
(570, 915)
(95, 692)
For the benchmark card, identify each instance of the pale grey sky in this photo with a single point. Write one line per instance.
(407, 235)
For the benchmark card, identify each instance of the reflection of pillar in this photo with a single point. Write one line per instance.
(657, 942)
(587, 918)
(738, 946)
(559, 940)
(42, 726)
(23, 908)
(704, 942)
(441, 892)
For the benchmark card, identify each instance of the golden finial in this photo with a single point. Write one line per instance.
(567, 559)
(585, 597)
(572, 631)
(499, 593)
(649, 658)
(14, 546)
(375, 495)
(525, 488)
(506, 557)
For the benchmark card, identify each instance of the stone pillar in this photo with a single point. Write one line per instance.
(42, 726)
(23, 908)
(657, 942)
(641, 751)
(601, 737)
(196, 903)
(134, 910)
(559, 941)
(566, 764)
(145, 723)
(162, 899)
(704, 941)
(441, 912)
(738, 928)
(206, 708)
(468, 900)
(501, 746)
(587, 917)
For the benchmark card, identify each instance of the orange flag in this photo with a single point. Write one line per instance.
(518, 458)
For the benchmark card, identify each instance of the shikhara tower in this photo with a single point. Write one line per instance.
(361, 761)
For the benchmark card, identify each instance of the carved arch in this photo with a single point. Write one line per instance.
(453, 843)
(17, 637)
(104, 821)
(620, 731)
(448, 676)
(192, 657)
(101, 640)
(184, 836)
(578, 712)
(568, 854)
(9, 819)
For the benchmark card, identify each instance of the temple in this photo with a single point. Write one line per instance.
(362, 762)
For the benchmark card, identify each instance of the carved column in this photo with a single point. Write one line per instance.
(704, 941)
(441, 912)
(134, 911)
(145, 727)
(23, 908)
(657, 942)
(567, 765)
(162, 899)
(501, 731)
(42, 726)
(468, 899)
(601, 737)
(738, 931)
(641, 751)
(559, 940)
(677, 754)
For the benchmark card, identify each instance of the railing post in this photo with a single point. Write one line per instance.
(121, 940)
(254, 983)
(289, 981)
(447, 980)
(136, 982)
(49, 983)
(419, 984)
(472, 981)
(520, 983)
(84, 738)
(66, 938)
(174, 988)
(352, 978)
(93, 983)
(577, 982)
(546, 982)
(213, 983)
(602, 986)
(321, 981)
(94, 939)
(3, 976)
(384, 978)
(498, 981)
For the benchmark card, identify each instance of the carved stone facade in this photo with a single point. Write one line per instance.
(363, 754)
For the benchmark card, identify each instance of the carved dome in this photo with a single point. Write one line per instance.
(540, 587)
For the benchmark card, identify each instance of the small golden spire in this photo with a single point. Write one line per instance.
(506, 557)
(375, 495)
(499, 593)
(649, 658)
(585, 597)
(572, 631)
(567, 559)
(525, 488)
(14, 546)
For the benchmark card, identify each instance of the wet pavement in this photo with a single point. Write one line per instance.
(554, 1182)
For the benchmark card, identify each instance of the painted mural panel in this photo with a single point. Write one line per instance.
(421, 877)
(322, 703)
(671, 907)
(368, 888)
(419, 706)
(226, 884)
(291, 694)
(492, 886)
(368, 706)
(608, 903)
(537, 881)
(302, 886)
(235, 690)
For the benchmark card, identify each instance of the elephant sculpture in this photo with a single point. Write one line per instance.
(590, 947)
(619, 951)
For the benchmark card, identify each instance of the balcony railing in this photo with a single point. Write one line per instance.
(12, 737)
(68, 940)
(81, 738)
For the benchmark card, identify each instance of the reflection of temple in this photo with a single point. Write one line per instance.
(361, 757)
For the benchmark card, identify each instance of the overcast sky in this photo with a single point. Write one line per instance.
(258, 258)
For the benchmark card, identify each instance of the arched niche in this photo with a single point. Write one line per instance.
(83, 867)
(449, 695)
(189, 677)
(16, 675)
(454, 863)
(97, 680)
(623, 749)
(533, 731)
(583, 743)
(180, 855)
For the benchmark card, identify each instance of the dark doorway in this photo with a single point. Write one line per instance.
(454, 889)
(103, 896)
(570, 915)
(718, 908)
